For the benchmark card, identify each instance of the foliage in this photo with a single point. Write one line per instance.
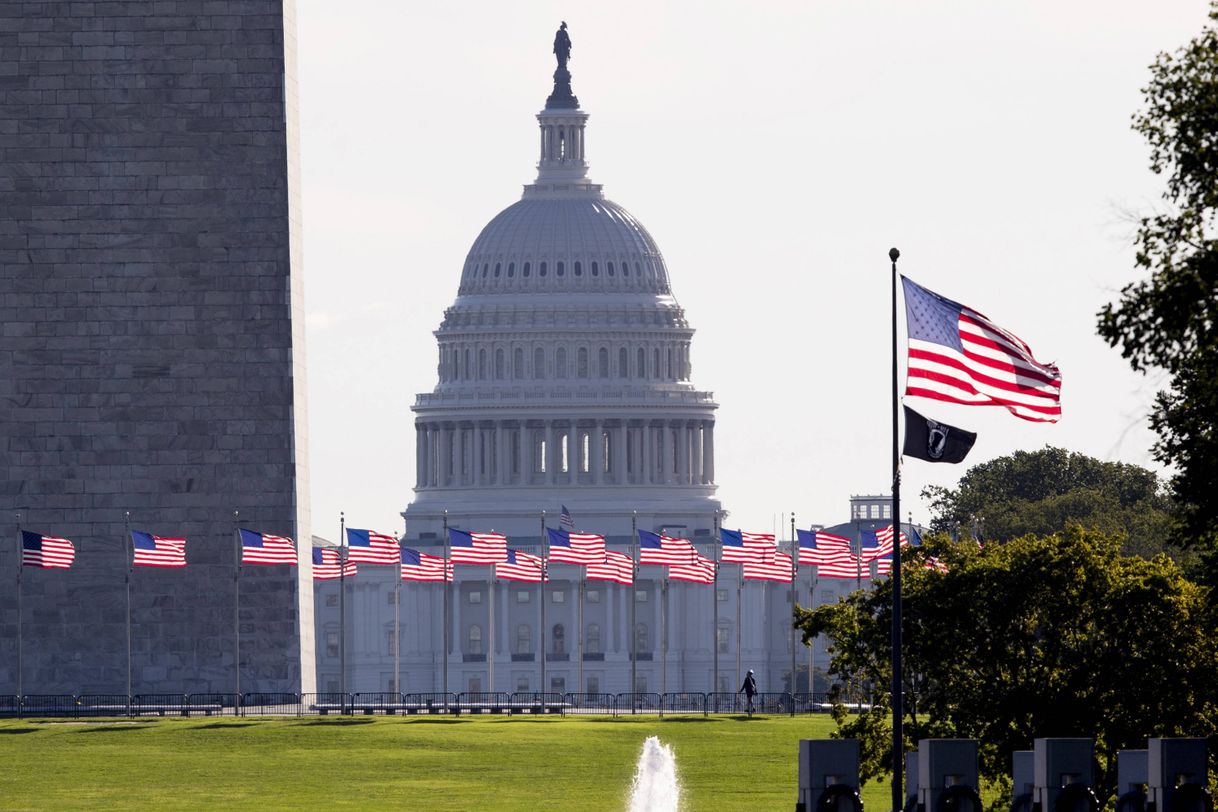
(1170, 321)
(1041, 636)
(1041, 492)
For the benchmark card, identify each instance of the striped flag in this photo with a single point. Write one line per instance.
(325, 565)
(958, 355)
(417, 566)
(832, 555)
(657, 549)
(520, 567)
(564, 519)
(259, 548)
(154, 551)
(368, 547)
(777, 568)
(883, 545)
(617, 567)
(733, 549)
(476, 548)
(575, 548)
(47, 552)
(701, 571)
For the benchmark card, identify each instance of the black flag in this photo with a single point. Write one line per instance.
(930, 440)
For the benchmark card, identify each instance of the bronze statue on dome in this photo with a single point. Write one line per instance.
(562, 46)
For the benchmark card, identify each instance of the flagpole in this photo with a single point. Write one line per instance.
(397, 628)
(898, 739)
(130, 572)
(444, 647)
(715, 553)
(490, 626)
(634, 599)
(739, 614)
(237, 611)
(342, 608)
(541, 637)
(20, 640)
(815, 572)
(664, 636)
(794, 554)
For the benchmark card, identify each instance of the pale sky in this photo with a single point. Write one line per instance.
(776, 151)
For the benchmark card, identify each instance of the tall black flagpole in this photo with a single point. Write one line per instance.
(342, 609)
(237, 612)
(541, 634)
(898, 738)
(447, 589)
(130, 572)
(20, 640)
(634, 599)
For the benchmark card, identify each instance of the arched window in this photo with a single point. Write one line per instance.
(496, 270)
(542, 270)
(525, 271)
(579, 271)
(486, 268)
(582, 369)
(518, 363)
(595, 272)
(592, 639)
(539, 363)
(524, 639)
(560, 269)
(602, 363)
(625, 269)
(640, 368)
(623, 363)
(560, 363)
(474, 643)
(611, 269)
(482, 364)
(511, 269)
(642, 641)
(564, 453)
(500, 365)
(558, 641)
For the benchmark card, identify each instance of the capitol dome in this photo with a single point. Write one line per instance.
(564, 369)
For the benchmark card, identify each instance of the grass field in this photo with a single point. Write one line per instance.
(725, 763)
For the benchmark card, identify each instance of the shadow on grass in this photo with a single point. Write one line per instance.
(426, 721)
(114, 728)
(677, 719)
(339, 722)
(225, 725)
(18, 731)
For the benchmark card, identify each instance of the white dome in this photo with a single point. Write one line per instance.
(580, 243)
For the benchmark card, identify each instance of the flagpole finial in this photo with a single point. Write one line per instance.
(894, 254)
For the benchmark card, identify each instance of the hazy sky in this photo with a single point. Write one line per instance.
(776, 151)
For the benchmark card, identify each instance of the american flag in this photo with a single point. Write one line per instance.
(325, 565)
(417, 566)
(657, 549)
(476, 548)
(701, 571)
(617, 567)
(933, 563)
(154, 551)
(735, 551)
(520, 567)
(368, 547)
(777, 568)
(883, 545)
(47, 552)
(259, 548)
(831, 554)
(958, 355)
(564, 519)
(575, 548)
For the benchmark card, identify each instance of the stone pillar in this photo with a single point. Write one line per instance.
(665, 448)
(683, 452)
(708, 429)
(478, 458)
(620, 474)
(697, 477)
(647, 468)
(574, 450)
(596, 450)
(549, 453)
(418, 456)
(445, 454)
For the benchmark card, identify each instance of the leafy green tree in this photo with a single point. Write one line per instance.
(1041, 492)
(1042, 636)
(1170, 321)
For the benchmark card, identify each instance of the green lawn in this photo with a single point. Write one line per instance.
(728, 763)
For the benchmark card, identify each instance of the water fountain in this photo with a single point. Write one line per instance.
(655, 787)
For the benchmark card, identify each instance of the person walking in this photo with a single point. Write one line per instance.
(749, 689)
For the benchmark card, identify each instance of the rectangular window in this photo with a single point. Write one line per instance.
(721, 639)
(539, 454)
(721, 595)
(584, 442)
(640, 597)
(522, 684)
(475, 596)
(594, 685)
(606, 453)
(593, 596)
(523, 596)
(331, 644)
(887, 511)
(391, 597)
(565, 451)
(558, 685)
(392, 642)
(332, 600)
(558, 596)
(875, 511)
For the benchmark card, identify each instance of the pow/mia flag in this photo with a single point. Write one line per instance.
(930, 440)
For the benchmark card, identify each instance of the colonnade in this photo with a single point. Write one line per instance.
(485, 453)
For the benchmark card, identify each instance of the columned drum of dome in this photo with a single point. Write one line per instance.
(564, 369)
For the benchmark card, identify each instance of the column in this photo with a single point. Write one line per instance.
(596, 451)
(478, 458)
(696, 477)
(708, 434)
(550, 456)
(646, 468)
(683, 452)
(445, 454)
(419, 439)
(619, 472)
(665, 449)
(574, 449)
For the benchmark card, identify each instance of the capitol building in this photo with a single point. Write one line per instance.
(565, 379)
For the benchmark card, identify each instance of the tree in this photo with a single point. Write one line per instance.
(1170, 321)
(1042, 492)
(1042, 636)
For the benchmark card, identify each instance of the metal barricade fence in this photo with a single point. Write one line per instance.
(157, 704)
(726, 703)
(211, 705)
(812, 703)
(48, 705)
(638, 703)
(386, 702)
(10, 705)
(271, 704)
(683, 702)
(326, 703)
(484, 702)
(536, 702)
(103, 705)
(591, 704)
(773, 703)
(429, 703)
